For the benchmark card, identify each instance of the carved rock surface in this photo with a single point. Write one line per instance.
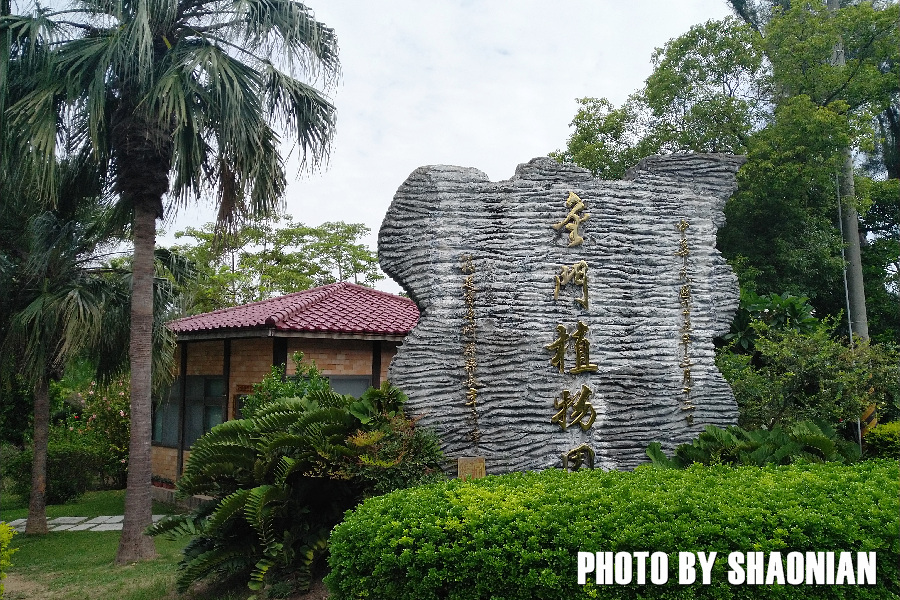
(448, 223)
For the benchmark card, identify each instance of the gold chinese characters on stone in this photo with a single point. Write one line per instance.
(576, 274)
(469, 337)
(574, 458)
(573, 219)
(580, 344)
(685, 299)
(574, 409)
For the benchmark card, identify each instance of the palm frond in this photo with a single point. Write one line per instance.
(206, 564)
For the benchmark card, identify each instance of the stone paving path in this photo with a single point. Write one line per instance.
(104, 523)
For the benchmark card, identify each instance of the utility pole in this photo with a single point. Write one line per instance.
(850, 222)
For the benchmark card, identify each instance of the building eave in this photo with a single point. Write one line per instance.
(202, 336)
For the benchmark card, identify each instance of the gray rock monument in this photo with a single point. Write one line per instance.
(566, 321)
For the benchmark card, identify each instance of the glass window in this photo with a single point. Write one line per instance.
(212, 416)
(214, 387)
(204, 409)
(352, 385)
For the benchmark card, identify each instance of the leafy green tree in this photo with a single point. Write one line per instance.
(608, 140)
(881, 255)
(781, 233)
(707, 93)
(273, 257)
(796, 375)
(769, 88)
(173, 99)
(337, 249)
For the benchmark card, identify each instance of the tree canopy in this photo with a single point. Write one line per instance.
(273, 257)
(766, 85)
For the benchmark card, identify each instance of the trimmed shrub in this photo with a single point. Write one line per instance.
(6, 535)
(518, 535)
(883, 441)
(74, 465)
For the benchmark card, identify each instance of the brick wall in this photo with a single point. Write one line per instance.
(334, 357)
(163, 461)
(388, 350)
(205, 358)
(251, 360)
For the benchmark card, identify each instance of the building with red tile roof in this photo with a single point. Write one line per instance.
(349, 331)
(344, 309)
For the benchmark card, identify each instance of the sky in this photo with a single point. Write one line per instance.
(487, 84)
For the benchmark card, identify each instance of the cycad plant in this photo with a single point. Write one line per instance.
(804, 441)
(283, 478)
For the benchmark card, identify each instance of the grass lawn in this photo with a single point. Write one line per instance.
(79, 565)
(92, 504)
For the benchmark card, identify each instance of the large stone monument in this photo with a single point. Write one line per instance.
(566, 321)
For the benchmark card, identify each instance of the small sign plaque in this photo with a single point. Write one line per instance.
(470, 467)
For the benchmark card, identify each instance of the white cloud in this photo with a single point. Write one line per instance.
(481, 83)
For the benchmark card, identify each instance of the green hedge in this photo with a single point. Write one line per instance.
(72, 469)
(883, 441)
(518, 535)
(6, 535)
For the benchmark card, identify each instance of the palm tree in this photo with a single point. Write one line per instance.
(175, 98)
(64, 303)
(55, 304)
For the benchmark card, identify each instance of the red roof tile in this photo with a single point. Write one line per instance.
(334, 308)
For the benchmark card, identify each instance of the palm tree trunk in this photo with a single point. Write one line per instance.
(134, 545)
(37, 505)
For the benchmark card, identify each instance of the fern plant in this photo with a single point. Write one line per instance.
(283, 478)
(807, 441)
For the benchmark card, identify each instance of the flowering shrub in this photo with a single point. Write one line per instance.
(105, 420)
